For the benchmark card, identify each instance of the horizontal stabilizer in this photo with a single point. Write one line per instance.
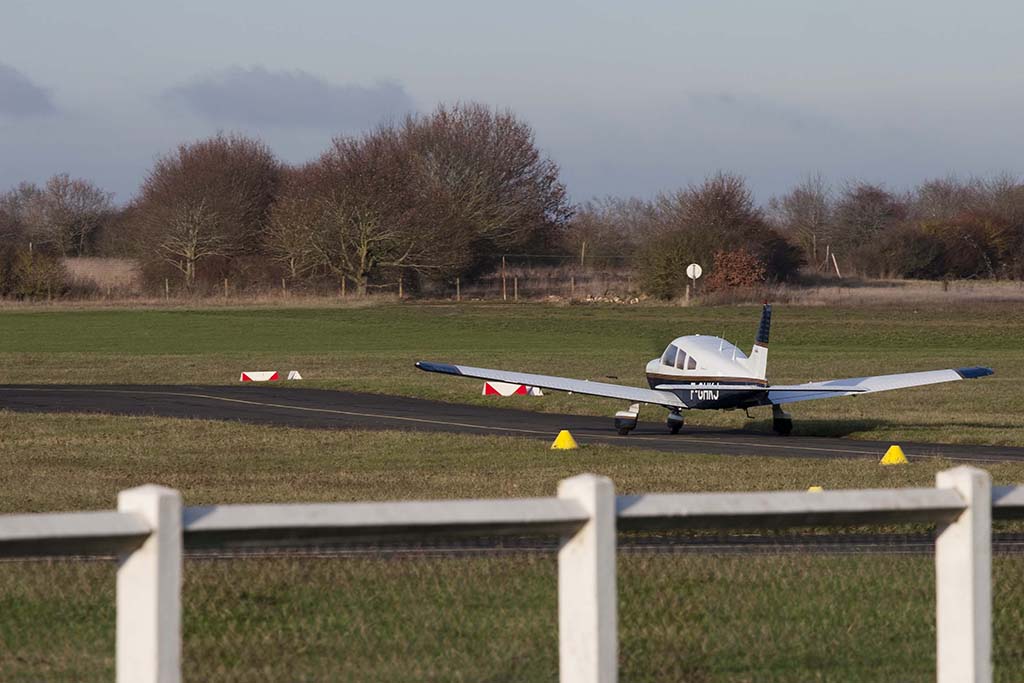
(576, 386)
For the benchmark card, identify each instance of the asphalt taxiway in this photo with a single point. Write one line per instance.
(324, 409)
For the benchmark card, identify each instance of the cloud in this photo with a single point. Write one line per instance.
(257, 96)
(743, 109)
(20, 97)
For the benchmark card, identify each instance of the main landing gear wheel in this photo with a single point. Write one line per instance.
(674, 422)
(782, 422)
(625, 420)
(782, 427)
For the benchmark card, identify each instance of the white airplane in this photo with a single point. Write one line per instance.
(699, 372)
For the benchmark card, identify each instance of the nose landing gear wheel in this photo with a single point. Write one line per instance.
(674, 422)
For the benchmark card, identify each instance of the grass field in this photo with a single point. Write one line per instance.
(682, 618)
(699, 618)
(60, 462)
(374, 348)
(706, 618)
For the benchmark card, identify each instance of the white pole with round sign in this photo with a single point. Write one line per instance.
(693, 271)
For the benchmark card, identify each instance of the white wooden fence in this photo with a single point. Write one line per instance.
(150, 528)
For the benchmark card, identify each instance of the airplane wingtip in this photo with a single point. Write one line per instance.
(974, 372)
(443, 368)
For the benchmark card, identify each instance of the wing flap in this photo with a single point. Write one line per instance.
(576, 386)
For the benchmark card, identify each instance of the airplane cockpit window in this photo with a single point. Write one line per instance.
(691, 363)
(681, 360)
(669, 357)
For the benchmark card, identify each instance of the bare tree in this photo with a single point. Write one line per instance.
(438, 195)
(288, 236)
(863, 214)
(191, 234)
(695, 223)
(608, 228)
(72, 212)
(354, 243)
(16, 211)
(944, 199)
(479, 173)
(348, 214)
(208, 199)
(805, 214)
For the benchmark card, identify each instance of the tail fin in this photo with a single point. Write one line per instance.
(758, 361)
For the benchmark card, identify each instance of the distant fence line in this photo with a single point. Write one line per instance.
(150, 530)
(520, 277)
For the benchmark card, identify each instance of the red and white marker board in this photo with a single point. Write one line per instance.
(268, 376)
(508, 389)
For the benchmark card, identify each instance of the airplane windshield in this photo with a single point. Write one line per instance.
(681, 360)
(669, 357)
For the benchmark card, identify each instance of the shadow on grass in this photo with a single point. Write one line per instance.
(824, 428)
(839, 428)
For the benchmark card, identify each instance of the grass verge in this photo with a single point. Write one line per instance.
(68, 462)
(691, 617)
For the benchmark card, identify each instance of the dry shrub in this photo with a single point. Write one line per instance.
(118, 275)
(26, 274)
(736, 269)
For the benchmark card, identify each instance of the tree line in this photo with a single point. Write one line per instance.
(441, 196)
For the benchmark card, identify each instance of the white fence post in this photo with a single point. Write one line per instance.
(963, 582)
(149, 591)
(588, 646)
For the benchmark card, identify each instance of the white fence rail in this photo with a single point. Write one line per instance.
(151, 528)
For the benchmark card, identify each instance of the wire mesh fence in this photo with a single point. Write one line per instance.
(371, 619)
(57, 620)
(1008, 601)
(693, 606)
(779, 609)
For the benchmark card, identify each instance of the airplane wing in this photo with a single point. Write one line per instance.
(576, 386)
(779, 394)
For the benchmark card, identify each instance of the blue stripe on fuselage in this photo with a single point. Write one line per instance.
(716, 399)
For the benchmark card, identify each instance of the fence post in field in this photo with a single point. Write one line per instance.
(458, 289)
(587, 600)
(149, 590)
(963, 581)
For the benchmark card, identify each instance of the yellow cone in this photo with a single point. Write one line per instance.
(815, 489)
(894, 456)
(564, 441)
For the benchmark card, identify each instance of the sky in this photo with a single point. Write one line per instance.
(630, 99)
